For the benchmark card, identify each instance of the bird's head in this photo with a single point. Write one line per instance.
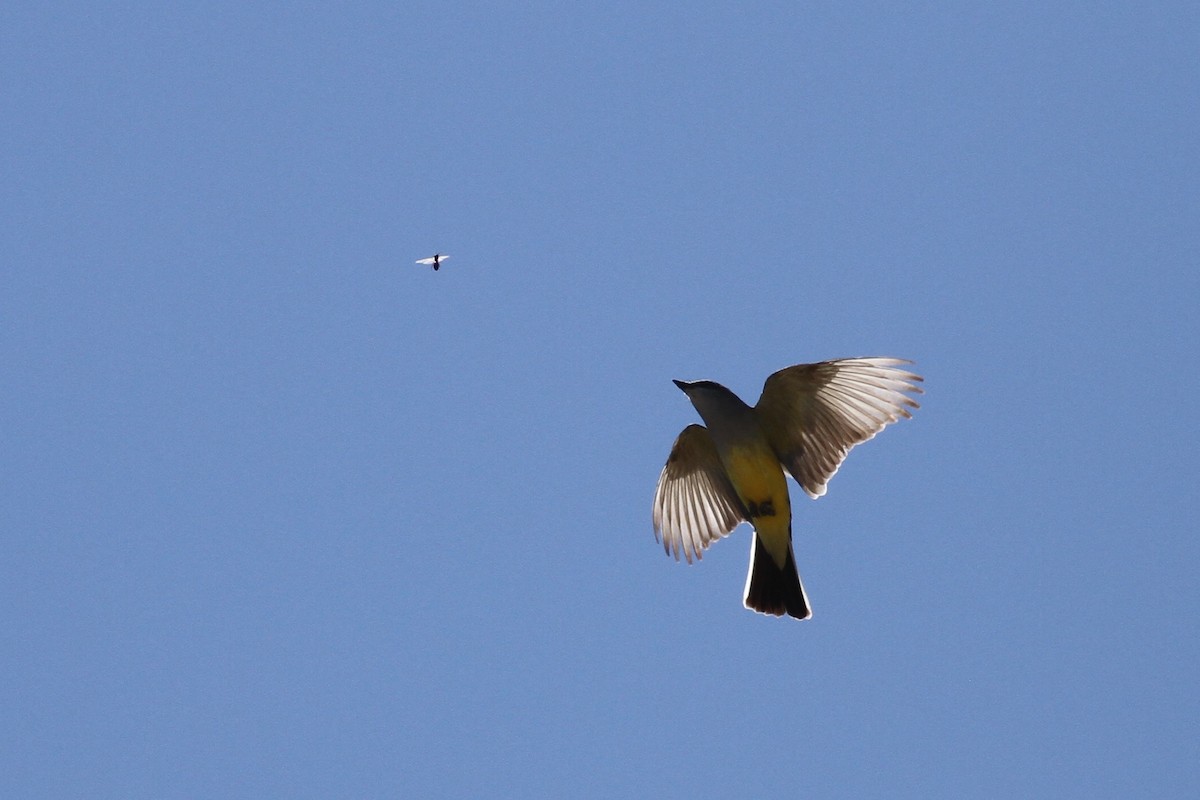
(688, 387)
(709, 397)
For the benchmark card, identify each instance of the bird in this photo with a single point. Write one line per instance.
(731, 469)
(435, 260)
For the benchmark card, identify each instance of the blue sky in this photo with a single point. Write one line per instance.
(289, 516)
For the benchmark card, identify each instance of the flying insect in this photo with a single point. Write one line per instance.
(434, 261)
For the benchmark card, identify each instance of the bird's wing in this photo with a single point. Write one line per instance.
(813, 414)
(694, 504)
(426, 261)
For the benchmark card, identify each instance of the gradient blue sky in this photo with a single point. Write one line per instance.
(289, 516)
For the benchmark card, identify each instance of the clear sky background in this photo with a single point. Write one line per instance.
(287, 515)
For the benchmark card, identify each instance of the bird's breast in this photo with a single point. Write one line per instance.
(757, 476)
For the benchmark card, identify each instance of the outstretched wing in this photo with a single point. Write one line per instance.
(813, 414)
(694, 504)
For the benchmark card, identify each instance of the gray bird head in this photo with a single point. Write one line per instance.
(692, 388)
(711, 399)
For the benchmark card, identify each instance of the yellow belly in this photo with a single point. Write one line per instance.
(758, 478)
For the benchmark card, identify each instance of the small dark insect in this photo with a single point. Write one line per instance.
(434, 261)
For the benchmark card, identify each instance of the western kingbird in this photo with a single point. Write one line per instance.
(434, 261)
(806, 421)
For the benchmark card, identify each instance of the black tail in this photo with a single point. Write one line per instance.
(771, 590)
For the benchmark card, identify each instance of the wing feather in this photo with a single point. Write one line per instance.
(813, 414)
(694, 504)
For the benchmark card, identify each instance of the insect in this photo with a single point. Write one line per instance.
(434, 261)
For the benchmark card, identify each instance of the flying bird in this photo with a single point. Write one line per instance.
(434, 261)
(732, 471)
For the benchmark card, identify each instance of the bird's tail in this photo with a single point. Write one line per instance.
(771, 590)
